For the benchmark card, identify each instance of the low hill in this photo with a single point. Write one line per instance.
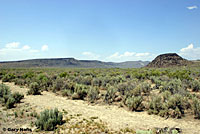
(71, 63)
(169, 60)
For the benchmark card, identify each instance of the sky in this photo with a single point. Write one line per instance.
(106, 30)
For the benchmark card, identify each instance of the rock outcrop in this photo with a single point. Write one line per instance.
(168, 60)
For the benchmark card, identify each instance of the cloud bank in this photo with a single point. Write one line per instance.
(190, 52)
(91, 56)
(13, 51)
(130, 56)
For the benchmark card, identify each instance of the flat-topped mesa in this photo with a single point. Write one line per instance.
(168, 60)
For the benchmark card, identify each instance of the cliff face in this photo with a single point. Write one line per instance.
(168, 60)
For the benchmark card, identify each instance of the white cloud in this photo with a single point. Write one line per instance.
(190, 52)
(188, 48)
(26, 47)
(192, 7)
(44, 48)
(91, 55)
(13, 51)
(12, 45)
(127, 56)
(114, 56)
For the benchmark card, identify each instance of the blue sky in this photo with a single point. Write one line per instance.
(107, 30)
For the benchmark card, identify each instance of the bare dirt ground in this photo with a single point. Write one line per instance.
(114, 116)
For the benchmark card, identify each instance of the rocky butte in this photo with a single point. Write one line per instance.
(168, 60)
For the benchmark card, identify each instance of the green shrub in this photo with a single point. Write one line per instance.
(20, 82)
(168, 105)
(17, 96)
(173, 86)
(166, 95)
(48, 119)
(110, 95)
(63, 74)
(155, 105)
(86, 80)
(196, 108)
(28, 75)
(58, 84)
(135, 92)
(4, 93)
(177, 102)
(93, 94)
(81, 91)
(66, 92)
(10, 102)
(4, 90)
(96, 82)
(134, 103)
(34, 89)
(126, 87)
(69, 86)
(8, 77)
(145, 87)
(156, 81)
(2, 74)
(7, 98)
(195, 86)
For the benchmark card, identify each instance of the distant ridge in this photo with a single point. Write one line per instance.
(168, 60)
(70, 63)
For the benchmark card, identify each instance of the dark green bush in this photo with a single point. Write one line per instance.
(20, 82)
(10, 102)
(63, 74)
(155, 105)
(178, 104)
(8, 77)
(2, 74)
(66, 92)
(156, 81)
(196, 108)
(126, 87)
(134, 103)
(195, 86)
(34, 89)
(136, 91)
(173, 86)
(96, 82)
(28, 75)
(168, 105)
(7, 98)
(81, 91)
(4, 90)
(93, 94)
(86, 80)
(58, 84)
(4, 93)
(69, 86)
(145, 87)
(17, 96)
(166, 95)
(48, 119)
(110, 95)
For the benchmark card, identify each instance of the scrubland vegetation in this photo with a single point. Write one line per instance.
(7, 98)
(169, 93)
